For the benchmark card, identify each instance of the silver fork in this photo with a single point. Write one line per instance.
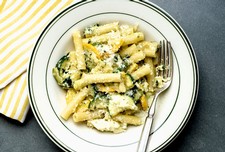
(166, 63)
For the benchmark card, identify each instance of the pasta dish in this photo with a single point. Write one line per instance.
(109, 77)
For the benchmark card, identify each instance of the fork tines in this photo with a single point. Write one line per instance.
(166, 59)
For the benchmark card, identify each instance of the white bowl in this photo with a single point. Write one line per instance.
(47, 99)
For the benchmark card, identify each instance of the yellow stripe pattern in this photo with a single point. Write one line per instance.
(12, 100)
(21, 22)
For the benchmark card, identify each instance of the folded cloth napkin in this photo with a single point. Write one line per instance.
(21, 22)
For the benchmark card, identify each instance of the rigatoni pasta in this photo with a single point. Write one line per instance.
(99, 30)
(109, 77)
(72, 105)
(79, 50)
(96, 78)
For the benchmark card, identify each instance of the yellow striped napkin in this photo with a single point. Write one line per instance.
(21, 22)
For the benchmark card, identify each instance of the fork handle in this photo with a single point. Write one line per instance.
(145, 134)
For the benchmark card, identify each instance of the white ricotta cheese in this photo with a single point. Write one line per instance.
(106, 125)
(119, 103)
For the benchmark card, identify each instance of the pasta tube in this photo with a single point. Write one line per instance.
(102, 29)
(81, 65)
(128, 119)
(141, 72)
(137, 57)
(133, 38)
(87, 115)
(128, 51)
(97, 78)
(72, 105)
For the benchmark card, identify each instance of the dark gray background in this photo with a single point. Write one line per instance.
(204, 23)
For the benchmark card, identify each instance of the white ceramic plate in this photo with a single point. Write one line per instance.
(47, 99)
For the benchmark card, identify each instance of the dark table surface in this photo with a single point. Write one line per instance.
(204, 23)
